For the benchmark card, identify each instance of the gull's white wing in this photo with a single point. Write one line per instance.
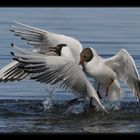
(41, 40)
(57, 70)
(13, 72)
(123, 64)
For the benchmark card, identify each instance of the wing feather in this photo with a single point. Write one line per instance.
(60, 71)
(42, 40)
(13, 72)
(123, 64)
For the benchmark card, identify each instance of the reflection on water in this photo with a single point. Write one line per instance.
(107, 30)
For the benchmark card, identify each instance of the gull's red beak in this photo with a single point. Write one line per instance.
(81, 61)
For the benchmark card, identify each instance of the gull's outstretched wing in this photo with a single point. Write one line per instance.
(13, 72)
(123, 64)
(41, 40)
(57, 70)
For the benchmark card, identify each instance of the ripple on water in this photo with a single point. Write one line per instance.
(31, 116)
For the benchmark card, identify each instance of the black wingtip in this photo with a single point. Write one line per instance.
(16, 59)
(11, 30)
(12, 44)
(12, 53)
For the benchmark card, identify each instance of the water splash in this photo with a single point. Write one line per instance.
(76, 108)
(111, 105)
(48, 102)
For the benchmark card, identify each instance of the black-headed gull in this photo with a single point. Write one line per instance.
(54, 60)
(60, 70)
(107, 72)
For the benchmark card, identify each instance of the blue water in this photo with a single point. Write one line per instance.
(107, 30)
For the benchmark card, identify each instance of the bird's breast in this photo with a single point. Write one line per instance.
(100, 72)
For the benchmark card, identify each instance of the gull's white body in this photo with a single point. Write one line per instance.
(103, 74)
(119, 67)
(99, 71)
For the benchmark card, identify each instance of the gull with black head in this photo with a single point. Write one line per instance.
(108, 72)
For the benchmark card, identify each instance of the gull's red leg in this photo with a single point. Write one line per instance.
(108, 85)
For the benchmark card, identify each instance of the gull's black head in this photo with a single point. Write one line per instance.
(58, 48)
(61, 45)
(86, 55)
